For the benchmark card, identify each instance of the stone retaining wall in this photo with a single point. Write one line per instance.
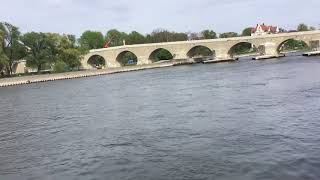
(78, 74)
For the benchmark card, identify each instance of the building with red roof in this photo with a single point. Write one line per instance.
(262, 29)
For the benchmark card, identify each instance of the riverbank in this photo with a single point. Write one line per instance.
(13, 81)
(88, 73)
(77, 74)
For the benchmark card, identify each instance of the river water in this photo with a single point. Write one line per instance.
(244, 120)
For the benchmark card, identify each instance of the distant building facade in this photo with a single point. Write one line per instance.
(262, 29)
(20, 67)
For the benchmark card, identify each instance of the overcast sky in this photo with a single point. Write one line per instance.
(76, 16)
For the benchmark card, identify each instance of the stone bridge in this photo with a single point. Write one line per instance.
(223, 49)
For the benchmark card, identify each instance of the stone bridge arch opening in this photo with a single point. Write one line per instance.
(97, 62)
(201, 53)
(160, 54)
(293, 45)
(244, 49)
(127, 58)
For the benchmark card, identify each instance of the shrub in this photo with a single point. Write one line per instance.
(60, 67)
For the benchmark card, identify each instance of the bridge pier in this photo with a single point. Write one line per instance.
(223, 55)
(180, 55)
(143, 60)
(270, 50)
(315, 45)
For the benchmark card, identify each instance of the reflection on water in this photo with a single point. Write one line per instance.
(243, 120)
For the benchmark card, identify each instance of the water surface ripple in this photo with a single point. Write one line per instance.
(244, 120)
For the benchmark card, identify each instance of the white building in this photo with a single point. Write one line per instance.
(262, 29)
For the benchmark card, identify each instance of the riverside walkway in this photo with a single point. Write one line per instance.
(80, 74)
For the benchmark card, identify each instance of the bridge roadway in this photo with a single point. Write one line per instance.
(222, 49)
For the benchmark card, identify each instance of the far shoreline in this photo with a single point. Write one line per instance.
(14, 81)
(23, 80)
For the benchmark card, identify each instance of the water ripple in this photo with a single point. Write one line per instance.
(244, 120)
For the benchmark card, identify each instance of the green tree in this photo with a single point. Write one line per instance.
(302, 27)
(71, 57)
(56, 44)
(3, 58)
(180, 37)
(11, 45)
(3, 63)
(60, 66)
(115, 37)
(208, 34)
(40, 50)
(163, 55)
(66, 41)
(149, 39)
(135, 38)
(228, 35)
(92, 40)
(72, 40)
(69, 52)
(162, 35)
(247, 31)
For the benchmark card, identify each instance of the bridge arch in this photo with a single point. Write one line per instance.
(160, 54)
(127, 58)
(292, 44)
(97, 62)
(242, 48)
(201, 52)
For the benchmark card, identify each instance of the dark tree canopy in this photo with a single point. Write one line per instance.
(162, 35)
(161, 54)
(40, 50)
(3, 58)
(247, 31)
(302, 27)
(228, 35)
(209, 34)
(72, 57)
(115, 37)
(92, 40)
(46, 49)
(135, 38)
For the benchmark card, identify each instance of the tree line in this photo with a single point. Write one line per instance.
(40, 50)
(63, 52)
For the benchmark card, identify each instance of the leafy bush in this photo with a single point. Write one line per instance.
(60, 67)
